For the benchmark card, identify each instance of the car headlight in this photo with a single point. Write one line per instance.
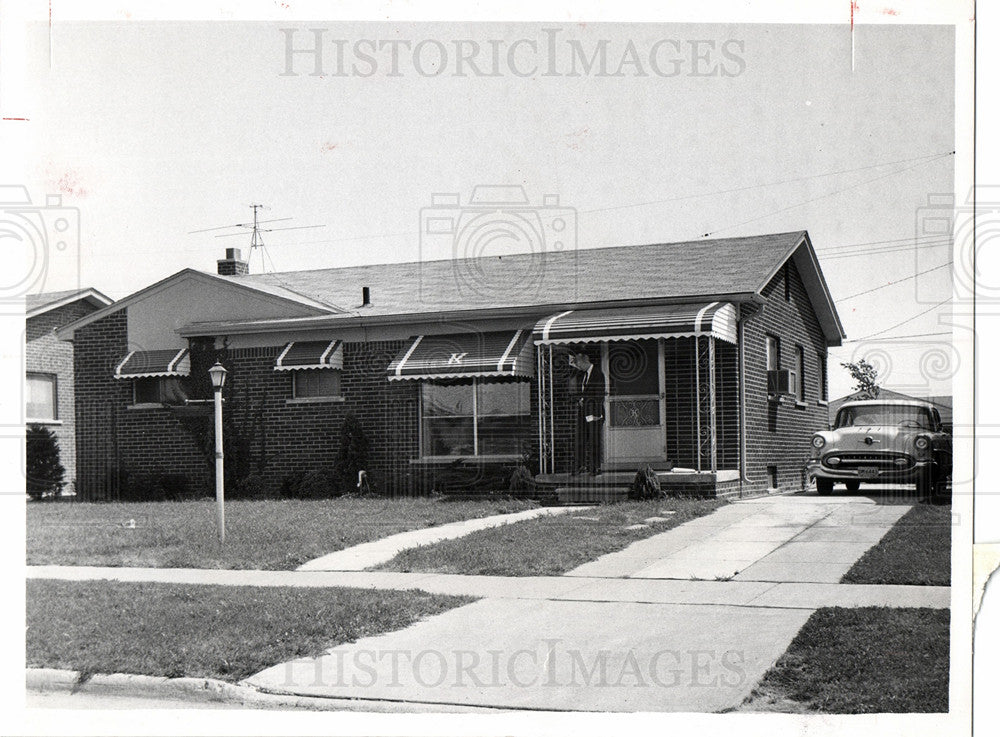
(921, 443)
(818, 441)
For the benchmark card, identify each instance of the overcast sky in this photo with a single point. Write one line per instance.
(156, 130)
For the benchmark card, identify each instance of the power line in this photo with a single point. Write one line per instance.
(828, 194)
(894, 283)
(909, 319)
(915, 239)
(897, 337)
(767, 184)
(891, 249)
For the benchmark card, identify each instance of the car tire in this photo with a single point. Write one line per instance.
(853, 486)
(941, 493)
(925, 488)
(824, 487)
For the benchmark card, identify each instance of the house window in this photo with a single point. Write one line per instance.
(158, 390)
(773, 353)
(42, 403)
(821, 377)
(797, 377)
(316, 383)
(474, 418)
(772, 478)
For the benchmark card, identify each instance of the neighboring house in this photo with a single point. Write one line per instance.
(941, 401)
(49, 396)
(714, 353)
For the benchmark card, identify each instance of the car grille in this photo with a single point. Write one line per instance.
(879, 460)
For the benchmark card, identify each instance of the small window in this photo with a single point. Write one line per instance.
(821, 377)
(158, 390)
(42, 402)
(773, 353)
(315, 383)
(772, 477)
(797, 378)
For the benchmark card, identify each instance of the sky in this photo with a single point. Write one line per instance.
(155, 130)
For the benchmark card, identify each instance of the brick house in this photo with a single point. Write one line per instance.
(49, 395)
(714, 353)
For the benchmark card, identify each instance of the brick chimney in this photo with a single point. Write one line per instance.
(233, 264)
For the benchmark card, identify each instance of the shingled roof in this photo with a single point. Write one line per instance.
(737, 266)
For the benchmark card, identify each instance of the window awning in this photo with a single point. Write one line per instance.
(630, 323)
(142, 364)
(463, 355)
(311, 354)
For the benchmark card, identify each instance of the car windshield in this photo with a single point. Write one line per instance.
(884, 414)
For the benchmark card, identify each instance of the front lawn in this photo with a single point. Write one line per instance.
(549, 546)
(273, 535)
(226, 632)
(917, 550)
(861, 661)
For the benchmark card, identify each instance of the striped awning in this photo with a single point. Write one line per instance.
(632, 323)
(462, 355)
(167, 362)
(311, 354)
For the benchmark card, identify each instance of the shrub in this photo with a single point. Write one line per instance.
(252, 487)
(312, 484)
(44, 472)
(646, 485)
(352, 455)
(521, 480)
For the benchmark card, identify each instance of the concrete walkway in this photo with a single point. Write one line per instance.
(686, 620)
(535, 588)
(368, 555)
(788, 538)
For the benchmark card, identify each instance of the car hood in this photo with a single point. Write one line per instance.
(874, 438)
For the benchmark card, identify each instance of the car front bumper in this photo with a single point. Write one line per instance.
(880, 475)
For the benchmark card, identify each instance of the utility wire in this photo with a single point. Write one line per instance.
(896, 337)
(909, 319)
(828, 194)
(894, 283)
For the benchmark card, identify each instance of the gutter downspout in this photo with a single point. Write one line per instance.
(741, 378)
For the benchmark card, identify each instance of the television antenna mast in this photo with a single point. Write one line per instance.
(256, 237)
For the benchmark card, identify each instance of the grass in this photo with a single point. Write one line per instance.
(917, 550)
(226, 632)
(273, 535)
(861, 661)
(549, 546)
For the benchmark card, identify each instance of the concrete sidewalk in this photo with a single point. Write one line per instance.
(787, 538)
(377, 552)
(535, 588)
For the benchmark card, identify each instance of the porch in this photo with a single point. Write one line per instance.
(671, 398)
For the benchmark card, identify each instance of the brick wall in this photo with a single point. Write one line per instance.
(778, 433)
(46, 354)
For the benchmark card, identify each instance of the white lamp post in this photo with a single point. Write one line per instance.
(218, 374)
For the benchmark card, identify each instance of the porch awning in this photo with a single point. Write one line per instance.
(142, 364)
(631, 323)
(311, 354)
(463, 355)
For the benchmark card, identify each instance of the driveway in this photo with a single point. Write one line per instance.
(595, 653)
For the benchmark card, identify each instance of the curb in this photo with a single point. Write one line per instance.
(207, 690)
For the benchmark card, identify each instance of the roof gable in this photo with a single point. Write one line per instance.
(39, 304)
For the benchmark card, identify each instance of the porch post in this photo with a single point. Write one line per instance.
(543, 459)
(713, 440)
(697, 401)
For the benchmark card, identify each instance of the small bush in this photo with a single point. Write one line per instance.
(521, 480)
(312, 484)
(44, 472)
(252, 487)
(646, 485)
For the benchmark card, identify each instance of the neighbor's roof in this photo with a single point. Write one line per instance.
(736, 268)
(37, 304)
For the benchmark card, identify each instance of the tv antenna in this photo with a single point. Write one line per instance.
(256, 239)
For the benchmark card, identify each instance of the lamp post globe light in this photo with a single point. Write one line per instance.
(218, 375)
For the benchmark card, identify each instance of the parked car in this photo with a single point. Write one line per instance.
(883, 442)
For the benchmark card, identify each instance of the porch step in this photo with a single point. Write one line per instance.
(591, 494)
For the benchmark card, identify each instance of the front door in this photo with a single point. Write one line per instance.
(635, 430)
